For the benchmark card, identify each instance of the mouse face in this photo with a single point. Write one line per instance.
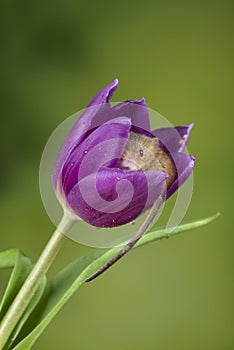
(143, 153)
(139, 153)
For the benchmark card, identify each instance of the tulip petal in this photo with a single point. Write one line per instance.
(104, 145)
(184, 164)
(112, 197)
(174, 139)
(136, 110)
(86, 176)
(104, 95)
(82, 125)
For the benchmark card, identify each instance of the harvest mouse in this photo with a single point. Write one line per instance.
(143, 153)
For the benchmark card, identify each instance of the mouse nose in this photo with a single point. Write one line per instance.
(128, 164)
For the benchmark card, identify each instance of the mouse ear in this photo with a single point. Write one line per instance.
(155, 142)
(148, 142)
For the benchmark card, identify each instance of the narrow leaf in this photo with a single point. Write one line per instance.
(8, 258)
(66, 282)
(22, 266)
(34, 301)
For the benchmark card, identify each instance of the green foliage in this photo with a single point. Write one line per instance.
(22, 266)
(45, 305)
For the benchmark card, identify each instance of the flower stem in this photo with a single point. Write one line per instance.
(31, 284)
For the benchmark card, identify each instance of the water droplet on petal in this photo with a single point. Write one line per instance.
(117, 178)
(85, 152)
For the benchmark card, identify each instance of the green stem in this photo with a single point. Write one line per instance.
(31, 284)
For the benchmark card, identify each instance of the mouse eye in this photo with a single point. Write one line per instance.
(141, 152)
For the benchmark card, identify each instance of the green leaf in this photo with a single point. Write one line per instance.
(34, 301)
(58, 290)
(8, 258)
(159, 233)
(22, 266)
(61, 287)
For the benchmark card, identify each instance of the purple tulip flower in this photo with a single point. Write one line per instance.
(89, 178)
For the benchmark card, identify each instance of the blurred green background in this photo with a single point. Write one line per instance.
(175, 294)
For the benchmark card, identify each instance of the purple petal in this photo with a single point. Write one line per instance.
(174, 139)
(112, 197)
(103, 146)
(104, 95)
(81, 126)
(136, 110)
(184, 165)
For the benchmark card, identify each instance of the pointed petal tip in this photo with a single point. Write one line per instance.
(114, 84)
(110, 89)
(190, 126)
(193, 160)
(140, 101)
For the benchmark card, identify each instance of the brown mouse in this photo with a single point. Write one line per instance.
(143, 153)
